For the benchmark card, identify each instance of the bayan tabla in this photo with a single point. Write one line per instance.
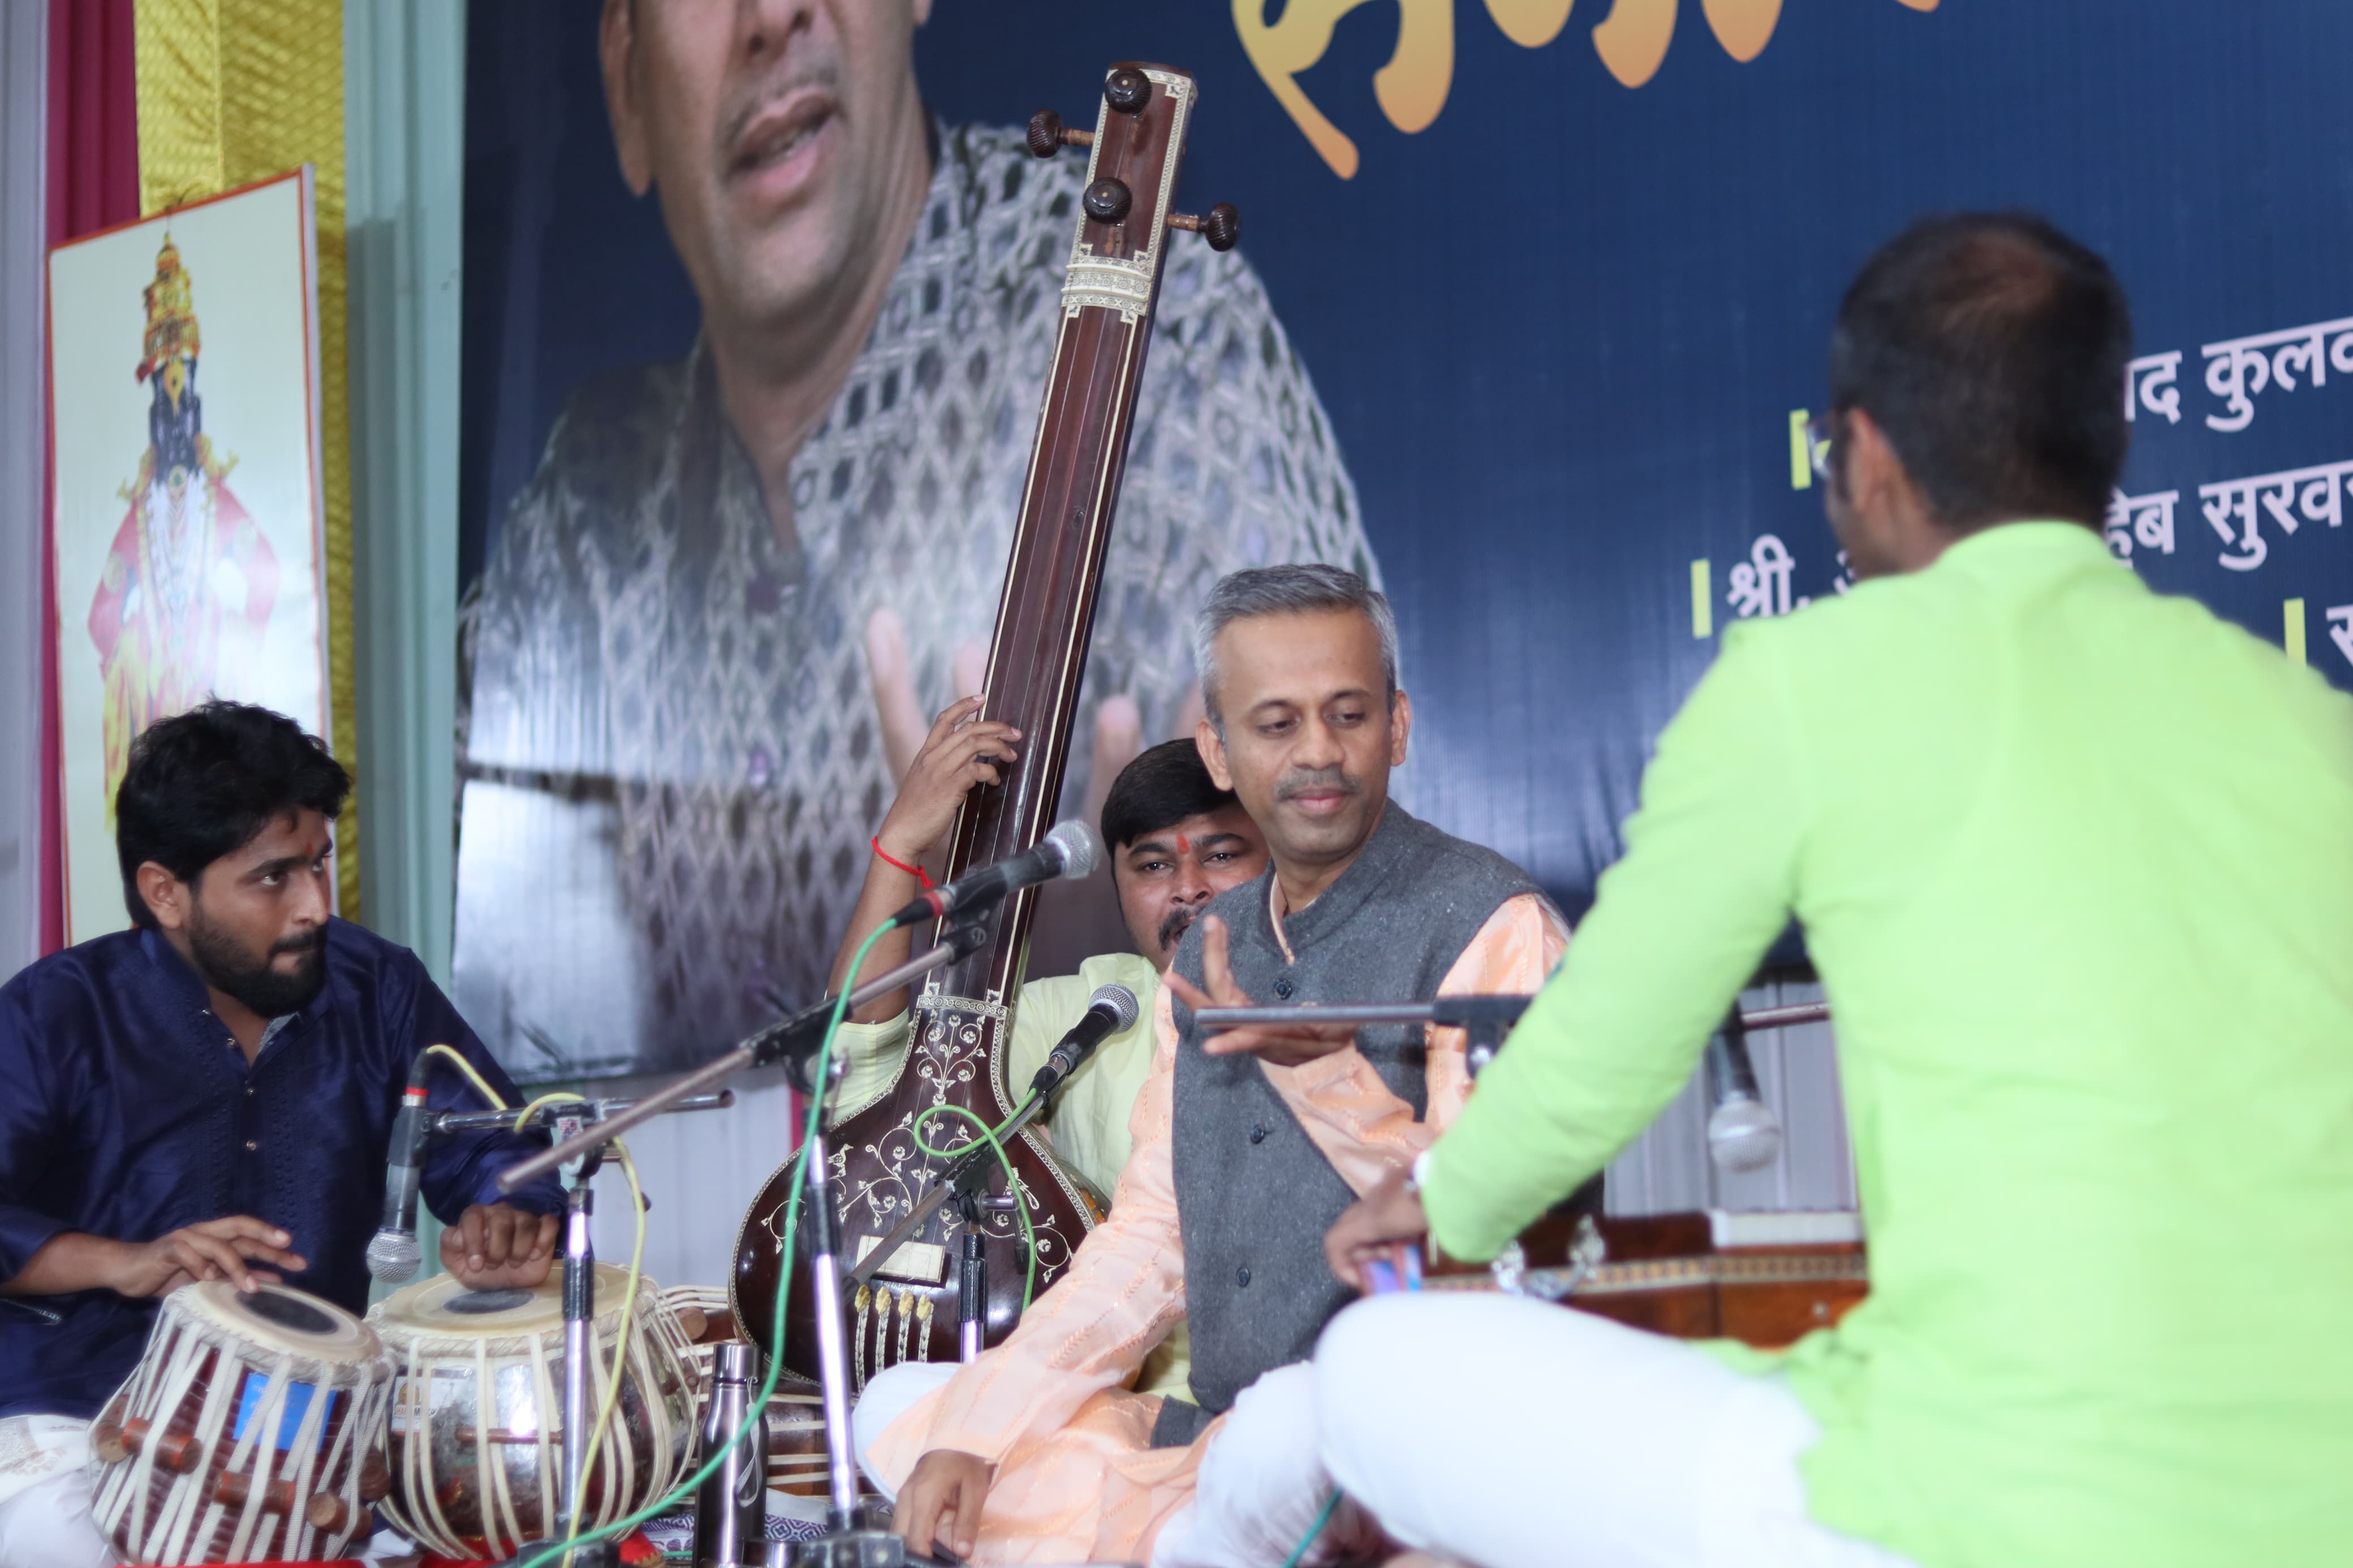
(476, 1436)
(251, 1431)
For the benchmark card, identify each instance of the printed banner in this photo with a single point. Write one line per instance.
(1530, 307)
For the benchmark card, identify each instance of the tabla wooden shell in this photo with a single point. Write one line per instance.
(476, 1435)
(189, 1471)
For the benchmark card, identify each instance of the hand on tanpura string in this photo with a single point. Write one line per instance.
(1375, 1225)
(1283, 1045)
(495, 1247)
(961, 752)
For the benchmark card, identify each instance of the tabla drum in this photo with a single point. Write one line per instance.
(477, 1435)
(251, 1431)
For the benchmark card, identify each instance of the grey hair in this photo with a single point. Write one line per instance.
(1291, 590)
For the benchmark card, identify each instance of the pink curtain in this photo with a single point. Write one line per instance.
(93, 184)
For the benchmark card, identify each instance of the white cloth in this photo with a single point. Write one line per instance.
(1261, 1483)
(1538, 1435)
(45, 1487)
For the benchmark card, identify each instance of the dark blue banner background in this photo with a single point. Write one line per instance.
(1562, 330)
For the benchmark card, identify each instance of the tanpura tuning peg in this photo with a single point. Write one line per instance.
(1127, 90)
(1049, 135)
(1107, 200)
(1221, 225)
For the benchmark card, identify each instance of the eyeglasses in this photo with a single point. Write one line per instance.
(1819, 431)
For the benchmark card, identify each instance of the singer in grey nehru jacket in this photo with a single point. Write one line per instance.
(210, 1095)
(1047, 1445)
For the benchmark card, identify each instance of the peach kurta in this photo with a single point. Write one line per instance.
(1077, 1477)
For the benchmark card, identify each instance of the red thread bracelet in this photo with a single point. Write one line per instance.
(915, 871)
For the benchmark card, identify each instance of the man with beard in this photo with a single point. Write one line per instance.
(210, 1095)
(706, 635)
(1248, 1144)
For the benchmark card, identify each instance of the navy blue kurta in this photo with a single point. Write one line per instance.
(127, 1111)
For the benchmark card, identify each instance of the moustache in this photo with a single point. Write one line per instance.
(1320, 780)
(1175, 925)
(315, 942)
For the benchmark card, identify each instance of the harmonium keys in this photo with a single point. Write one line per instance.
(1765, 1278)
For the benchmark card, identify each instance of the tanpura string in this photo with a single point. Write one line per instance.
(759, 1406)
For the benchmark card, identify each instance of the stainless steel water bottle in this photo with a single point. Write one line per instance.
(730, 1510)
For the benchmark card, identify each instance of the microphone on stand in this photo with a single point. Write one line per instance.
(1111, 1009)
(1069, 849)
(393, 1253)
(1743, 1133)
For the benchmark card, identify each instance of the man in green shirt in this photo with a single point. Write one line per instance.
(1174, 841)
(2075, 862)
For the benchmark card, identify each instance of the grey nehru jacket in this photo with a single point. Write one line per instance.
(1254, 1195)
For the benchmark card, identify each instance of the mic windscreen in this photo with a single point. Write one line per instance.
(1120, 1000)
(1080, 850)
(393, 1255)
(1744, 1134)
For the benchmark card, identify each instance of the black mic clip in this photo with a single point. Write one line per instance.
(1484, 1020)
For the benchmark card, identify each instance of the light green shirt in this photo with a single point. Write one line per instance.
(2075, 862)
(1088, 1121)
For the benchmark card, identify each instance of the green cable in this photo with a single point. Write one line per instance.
(759, 1411)
(1300, 1552)
(1013, 1183)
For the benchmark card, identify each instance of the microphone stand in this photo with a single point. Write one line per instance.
(853, 1539)
(797, 1037)
(564, 1120)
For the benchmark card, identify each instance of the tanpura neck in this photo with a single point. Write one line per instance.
(776, 379)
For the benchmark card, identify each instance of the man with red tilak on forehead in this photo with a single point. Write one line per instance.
(1247, 1145)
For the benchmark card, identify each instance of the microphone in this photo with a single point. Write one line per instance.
(1743, 1133)
(393, 1253)
(1070, 849)
(1111, 1009)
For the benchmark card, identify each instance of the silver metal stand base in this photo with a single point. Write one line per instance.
(866, 1548)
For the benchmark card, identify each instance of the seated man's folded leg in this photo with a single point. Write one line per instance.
(1262, 1484)
(1503, 1430)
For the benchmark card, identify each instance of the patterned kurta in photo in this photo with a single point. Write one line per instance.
(673, 760)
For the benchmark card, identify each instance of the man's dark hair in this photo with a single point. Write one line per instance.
(1991, 350)
(207, 783)
(1161, 788)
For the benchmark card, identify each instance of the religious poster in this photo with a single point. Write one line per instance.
(1528, 323)
(185, 429)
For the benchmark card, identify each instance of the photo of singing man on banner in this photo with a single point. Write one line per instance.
(712, 631)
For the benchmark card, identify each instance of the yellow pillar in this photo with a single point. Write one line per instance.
(231, 91)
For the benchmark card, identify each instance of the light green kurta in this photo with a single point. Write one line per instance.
(1088, 1121)
(2075, 862)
